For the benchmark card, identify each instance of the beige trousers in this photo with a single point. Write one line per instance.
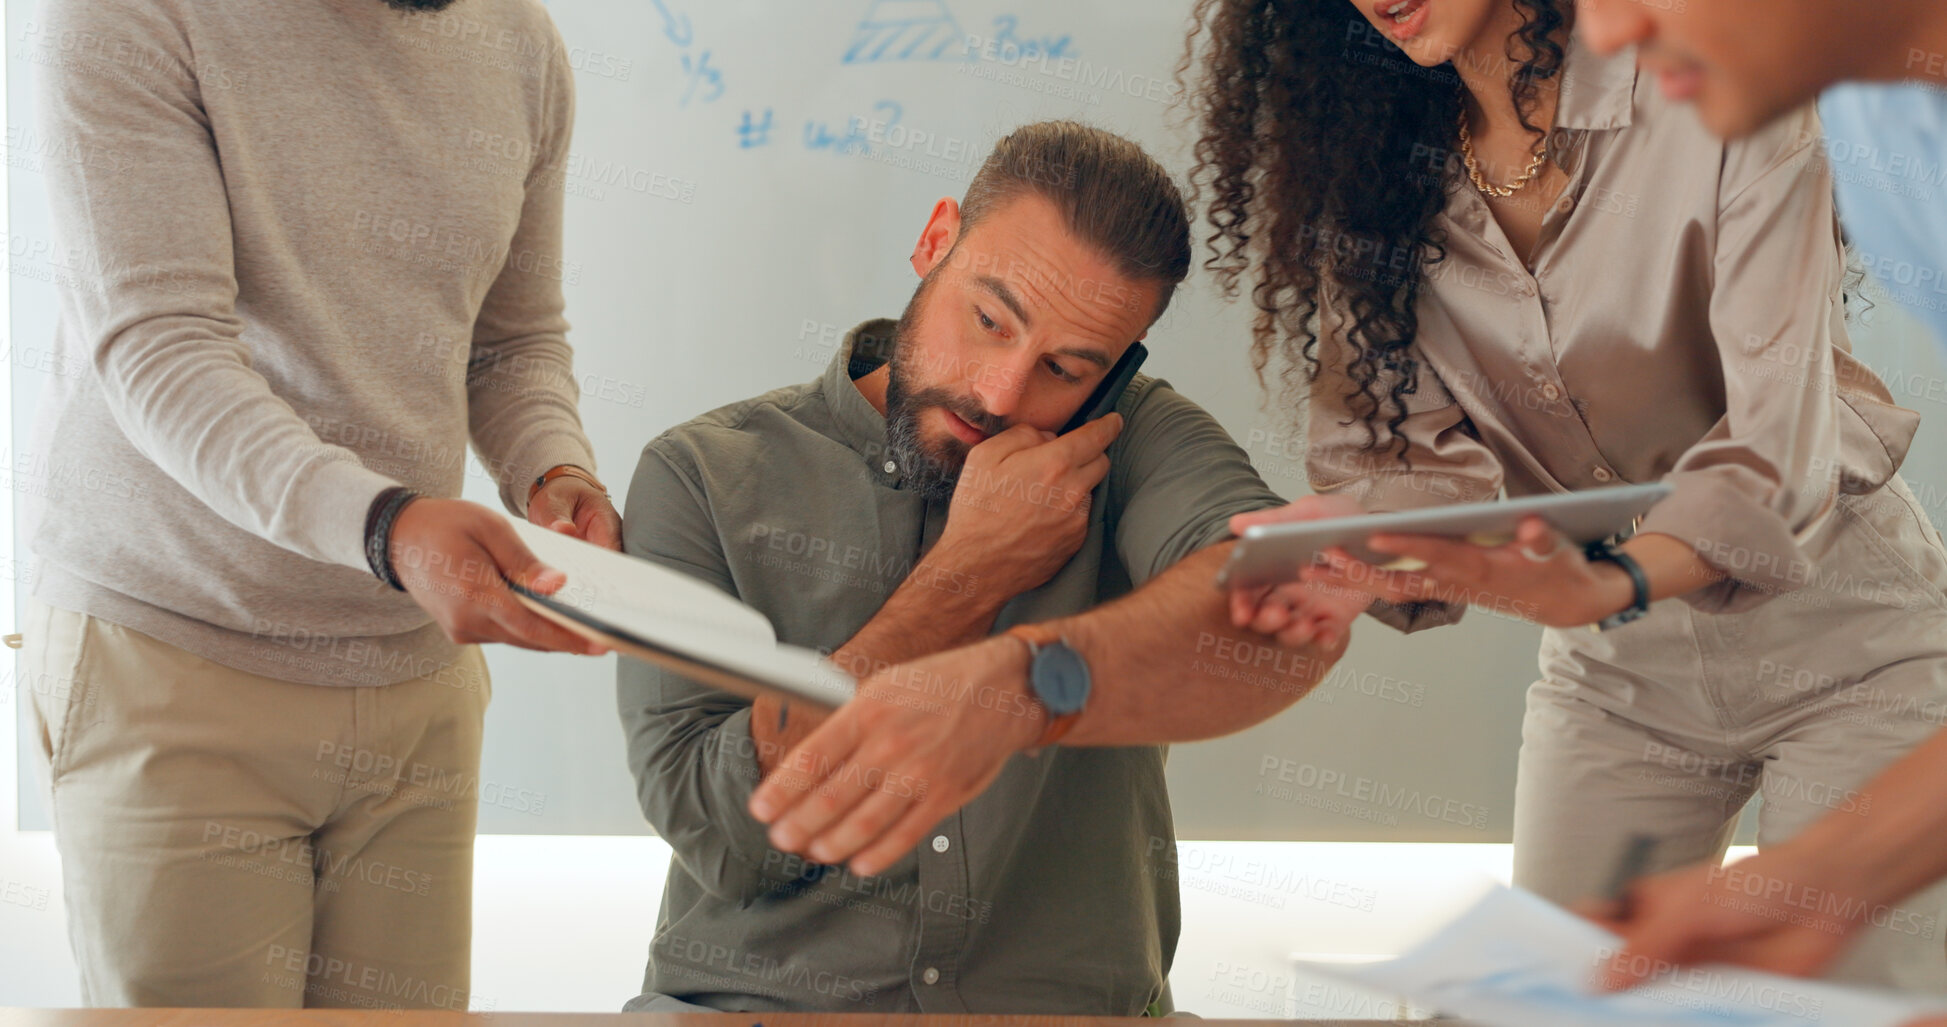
(1668, 726)
(234, 840)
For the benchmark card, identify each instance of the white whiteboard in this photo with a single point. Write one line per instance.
(748, 182)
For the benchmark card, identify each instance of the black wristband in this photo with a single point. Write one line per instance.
(379, 518)
(1640, 605)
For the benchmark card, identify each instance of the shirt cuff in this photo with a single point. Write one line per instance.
(1411, 617)
(1742, 538)
(731, 854)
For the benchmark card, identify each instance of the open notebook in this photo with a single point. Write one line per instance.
(665, 617)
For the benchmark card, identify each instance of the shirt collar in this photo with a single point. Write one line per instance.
(862, 426)
(1597, 92)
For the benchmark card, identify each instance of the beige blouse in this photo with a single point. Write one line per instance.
(1682, 322)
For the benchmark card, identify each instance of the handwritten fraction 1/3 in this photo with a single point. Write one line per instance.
(697, 71)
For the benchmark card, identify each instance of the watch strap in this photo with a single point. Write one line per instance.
(1604, 551)
(1036, 635)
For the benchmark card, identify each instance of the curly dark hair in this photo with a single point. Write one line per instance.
(1327, 154)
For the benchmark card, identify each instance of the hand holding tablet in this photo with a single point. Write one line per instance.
(1302, 573)
(1274, 553)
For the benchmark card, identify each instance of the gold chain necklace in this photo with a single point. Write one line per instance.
(1474, 168)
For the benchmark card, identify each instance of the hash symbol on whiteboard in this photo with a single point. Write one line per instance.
(907, 30)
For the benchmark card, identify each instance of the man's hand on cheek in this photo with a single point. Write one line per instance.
(1021, 507)
(918, 742)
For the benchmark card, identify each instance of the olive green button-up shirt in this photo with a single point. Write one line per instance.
(1054, 891)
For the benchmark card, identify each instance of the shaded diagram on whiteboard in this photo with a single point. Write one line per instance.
(907, 30)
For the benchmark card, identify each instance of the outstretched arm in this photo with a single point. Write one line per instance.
(923, 739)
(1170, 666)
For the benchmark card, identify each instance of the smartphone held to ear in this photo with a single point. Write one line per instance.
(1106, 395)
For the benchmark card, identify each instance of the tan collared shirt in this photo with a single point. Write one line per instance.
(1682, 320)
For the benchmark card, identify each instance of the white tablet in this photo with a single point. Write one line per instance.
(1272, 554)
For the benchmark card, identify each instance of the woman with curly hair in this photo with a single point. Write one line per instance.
(1488, 259)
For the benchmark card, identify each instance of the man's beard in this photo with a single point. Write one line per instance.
(932, 473)
(419, 5)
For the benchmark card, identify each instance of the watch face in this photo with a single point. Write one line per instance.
(1060, 679)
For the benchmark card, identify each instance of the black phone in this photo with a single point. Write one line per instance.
(1105, 396)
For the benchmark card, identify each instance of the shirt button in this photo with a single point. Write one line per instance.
(931, 976)
(1602, 474)
(1550, 393)
(891, 468)
(940, 843)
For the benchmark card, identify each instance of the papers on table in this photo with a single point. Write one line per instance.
(1513, 959)
(666, 617)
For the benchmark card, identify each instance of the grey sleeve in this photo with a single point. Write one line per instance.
(155, 303)
(1181, 478)
(689, 745)
(522, 396)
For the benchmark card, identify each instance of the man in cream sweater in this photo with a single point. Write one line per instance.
(320, 249)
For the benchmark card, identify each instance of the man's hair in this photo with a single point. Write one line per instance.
(1110, 193)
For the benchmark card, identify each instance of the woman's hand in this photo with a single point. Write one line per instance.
(1540, 576)
(1299, 613)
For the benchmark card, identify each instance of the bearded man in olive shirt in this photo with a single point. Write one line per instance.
(913, 499)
